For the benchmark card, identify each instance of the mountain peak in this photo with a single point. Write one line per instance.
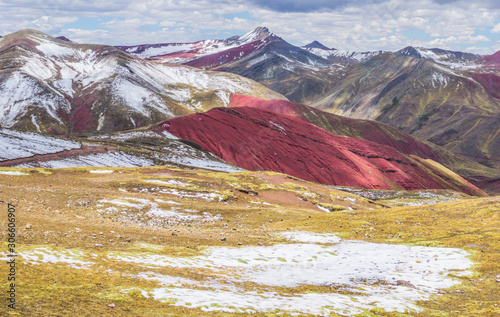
(259, 33)
(316, 44)
(409, 51)
(64, 38)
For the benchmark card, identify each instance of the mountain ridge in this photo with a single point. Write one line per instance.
(258, 139)
(54, 86)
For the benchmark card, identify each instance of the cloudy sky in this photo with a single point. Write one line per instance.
(472, 26)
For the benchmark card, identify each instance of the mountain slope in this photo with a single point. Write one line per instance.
(423, 98)
(52, 85)
(121, 149)
(355, 128)
(482, 176)
(257, 139)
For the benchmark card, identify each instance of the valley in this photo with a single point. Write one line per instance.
(247, 176)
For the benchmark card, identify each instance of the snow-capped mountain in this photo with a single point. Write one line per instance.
(451, 59)
(221, 51)
(339, 56)
(52, 85)
(259, 55)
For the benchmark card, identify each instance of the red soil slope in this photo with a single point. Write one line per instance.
(228, 55)
(258, 139)
(490, 82)
(361, 129)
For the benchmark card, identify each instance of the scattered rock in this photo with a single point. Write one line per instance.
(28, 226)
(223, 239)
(112, 305)
(239, 243)
(405, 283)
(98, 245)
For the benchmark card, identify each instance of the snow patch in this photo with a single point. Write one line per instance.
(153, 210)
(160, 50)
(169, 182)
(101, 171)
(311, 237)
(110, 159)
(46, 255)
(368, 271)
(13, 173)
(17, 144)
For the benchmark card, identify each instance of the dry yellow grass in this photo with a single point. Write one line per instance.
(63, 210)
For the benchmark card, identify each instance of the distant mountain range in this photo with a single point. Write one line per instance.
(446, 97)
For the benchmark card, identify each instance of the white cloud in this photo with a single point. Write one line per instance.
(459, 39)
(83, 36)
(129, 24)
(479, 50)
(368, 25)
(51, 24)
(496, 28)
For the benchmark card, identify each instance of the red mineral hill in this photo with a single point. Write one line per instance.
(258, 139)
(374, 131)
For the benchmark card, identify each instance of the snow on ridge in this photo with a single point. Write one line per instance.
(48, 82)
(110, 159)
(17, 144)
(358, 56)
(124, 136)
(51, 49)
(441, 59)
(253, 35)
(138, 98)
(162, 50)
(439, 79)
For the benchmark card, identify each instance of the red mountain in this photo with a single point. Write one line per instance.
(356, 128)
(258, 139)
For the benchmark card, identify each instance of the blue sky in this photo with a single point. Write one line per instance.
(355, 25)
